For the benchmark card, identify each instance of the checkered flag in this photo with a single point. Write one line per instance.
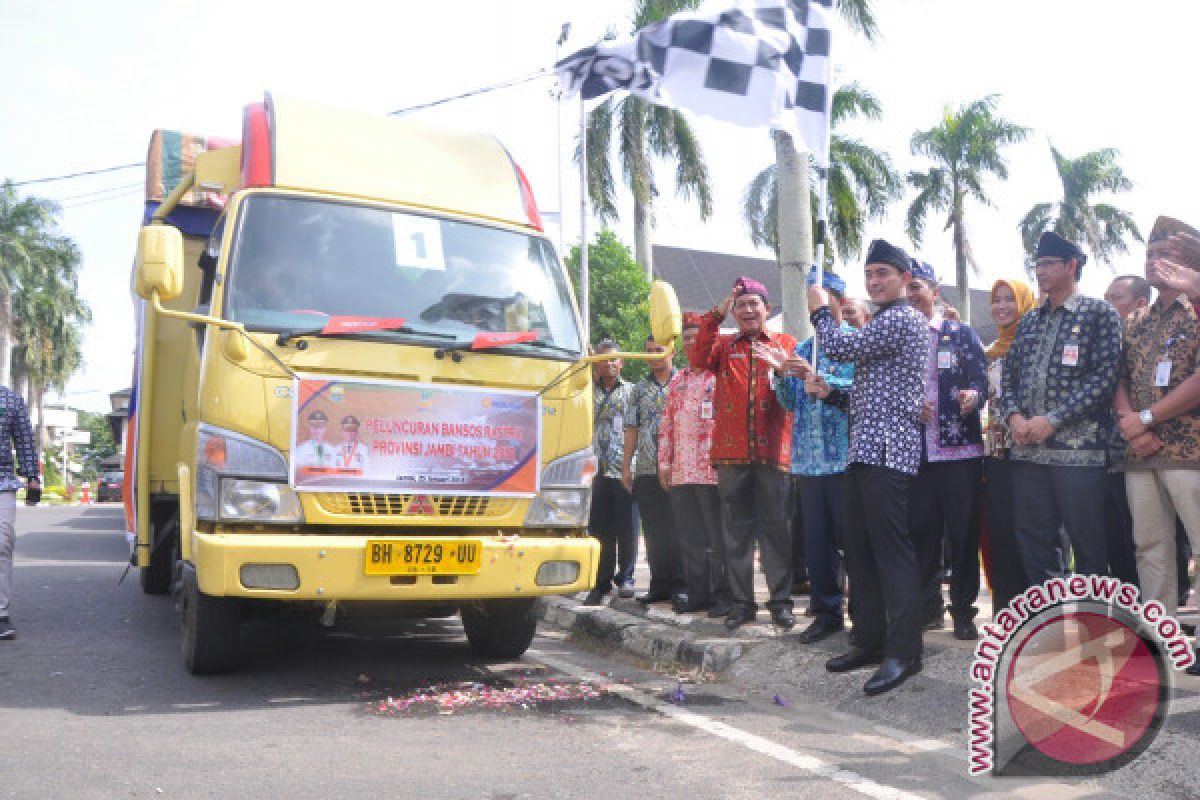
(750, 62)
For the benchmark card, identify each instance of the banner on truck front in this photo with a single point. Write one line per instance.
(396, 437)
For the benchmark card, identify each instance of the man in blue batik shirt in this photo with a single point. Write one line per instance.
(15, 434)
(820, 436)
(944, 504)
(1057, 391)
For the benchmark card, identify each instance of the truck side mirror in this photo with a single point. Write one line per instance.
(159, 262)
(666, 322)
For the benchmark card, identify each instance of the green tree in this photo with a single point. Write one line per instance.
(47, 314)
(620, 295)
(1101, 227)
(25, 225)
(101, 447)
(965, 148)
(862, 183)
(643, 132)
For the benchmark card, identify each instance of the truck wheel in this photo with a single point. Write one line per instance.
(211, 626)
(156, 577)
(500, 629)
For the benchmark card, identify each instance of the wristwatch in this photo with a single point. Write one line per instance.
(1146, 417)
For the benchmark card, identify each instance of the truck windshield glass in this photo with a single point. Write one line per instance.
(296, 261)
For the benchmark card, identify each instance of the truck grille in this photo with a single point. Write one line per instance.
(414, 505)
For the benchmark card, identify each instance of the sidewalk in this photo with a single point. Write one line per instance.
(658, 634)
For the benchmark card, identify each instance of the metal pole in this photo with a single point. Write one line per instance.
(584, 300)
(558, 94)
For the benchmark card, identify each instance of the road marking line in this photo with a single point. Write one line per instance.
(750, 741)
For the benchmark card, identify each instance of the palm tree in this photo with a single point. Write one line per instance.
(965, 148)
(25, 223)
(1102, 227)
(48, 312)
(644, 132)
(862, 182)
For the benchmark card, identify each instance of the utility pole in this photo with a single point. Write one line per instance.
(795, 234)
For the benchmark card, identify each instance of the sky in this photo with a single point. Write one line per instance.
(86, 83)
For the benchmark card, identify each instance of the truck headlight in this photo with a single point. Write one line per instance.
(241, 479)
(259, 501)
(566, 495)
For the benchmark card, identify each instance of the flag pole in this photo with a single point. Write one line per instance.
(823, 201)
(584, 298)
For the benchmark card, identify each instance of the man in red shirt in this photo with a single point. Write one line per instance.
(750, 449)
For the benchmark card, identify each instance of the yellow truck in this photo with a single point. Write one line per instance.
(360, 378)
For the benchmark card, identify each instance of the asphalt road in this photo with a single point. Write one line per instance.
(95, 703)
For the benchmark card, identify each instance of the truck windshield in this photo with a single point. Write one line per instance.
(296, 261)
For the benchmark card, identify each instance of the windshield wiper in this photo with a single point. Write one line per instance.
(286, 336)
(482, 342)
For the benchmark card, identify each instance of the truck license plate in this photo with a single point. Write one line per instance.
(423, 557)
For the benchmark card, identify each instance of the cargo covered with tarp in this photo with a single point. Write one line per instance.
(172, 155)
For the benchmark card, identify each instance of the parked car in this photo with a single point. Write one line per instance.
(108, 486)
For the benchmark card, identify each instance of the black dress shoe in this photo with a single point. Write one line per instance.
(891, 673)
(646, 598)
(855, 659)
(595, 597)
(783, 618)
(821, 628)
(680, 604)
(719, 610)
(739, 617)
(935, 622)
(965, 630)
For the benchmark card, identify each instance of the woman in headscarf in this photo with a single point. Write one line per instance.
(1011, 300)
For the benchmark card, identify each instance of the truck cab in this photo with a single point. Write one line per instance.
(361, 377)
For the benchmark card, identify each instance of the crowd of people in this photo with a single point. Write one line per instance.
(892, 453)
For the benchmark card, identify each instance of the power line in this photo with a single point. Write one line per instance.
(482, 90)
(118, 196)
(98, 191)
(80, 174)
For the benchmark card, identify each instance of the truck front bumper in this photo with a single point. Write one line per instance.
(334, 567)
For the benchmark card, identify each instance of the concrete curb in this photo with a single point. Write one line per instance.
(699, 645)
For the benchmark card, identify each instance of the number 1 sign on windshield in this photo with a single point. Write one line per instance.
(418, 242)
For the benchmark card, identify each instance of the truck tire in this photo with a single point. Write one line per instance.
(211, 628)
(500, 629)
(156, 577)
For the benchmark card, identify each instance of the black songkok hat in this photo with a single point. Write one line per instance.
(881, 252)
(1051, 245)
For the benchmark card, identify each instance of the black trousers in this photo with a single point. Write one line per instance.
(1008, 571)
(822, 511)
(944, 506)
(658, 529)
(754, 506)
(881, 562)
(796, 523)
(1047, 498)
(1118, 529)
(611, 521)
(697, 510)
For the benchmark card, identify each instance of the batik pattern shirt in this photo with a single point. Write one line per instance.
(16, 434)
(609, 409)
(997, 439)
(1161, 351)
(645, 412)
(890, 355)
(751, 426)
(820, 428)
(686, 429)
(1063, 366)
(956, 361)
